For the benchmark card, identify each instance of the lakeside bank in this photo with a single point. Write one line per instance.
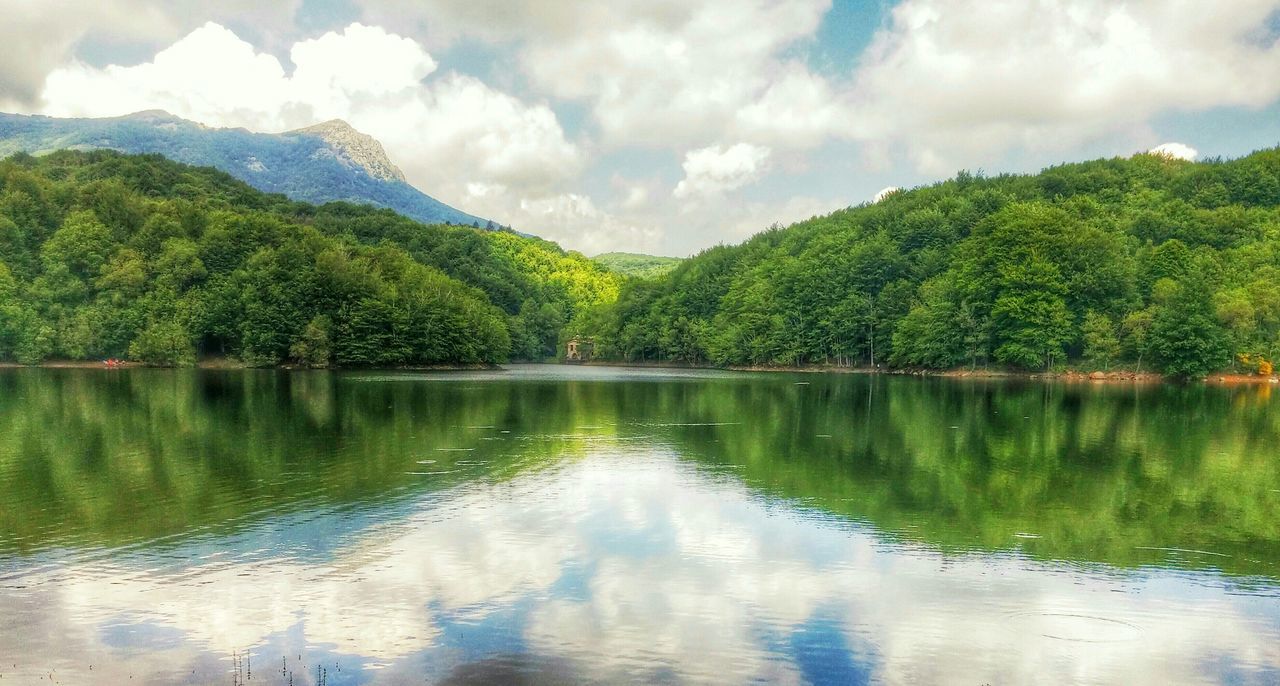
(1070, 376)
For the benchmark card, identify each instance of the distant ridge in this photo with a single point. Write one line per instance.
(636, 264)
(327, 162)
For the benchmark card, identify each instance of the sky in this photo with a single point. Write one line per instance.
(669, 126)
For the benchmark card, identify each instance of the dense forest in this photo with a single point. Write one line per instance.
(637, 265)
(109, 255)
(1149, 262)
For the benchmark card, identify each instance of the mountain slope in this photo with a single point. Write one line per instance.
(1147, 261)
(111, 255)
(323, 163)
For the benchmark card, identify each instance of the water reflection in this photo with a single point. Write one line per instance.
(697, 528)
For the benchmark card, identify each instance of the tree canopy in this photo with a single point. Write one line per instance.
(637, 265)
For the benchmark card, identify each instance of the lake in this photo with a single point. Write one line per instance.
(546, 524)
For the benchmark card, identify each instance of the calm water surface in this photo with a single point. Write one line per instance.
(564, 525)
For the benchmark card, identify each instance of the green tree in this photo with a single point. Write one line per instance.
(1185, 336)
(179, 265)
(1101, 344)
(1136, 329)
(928, 335)
(81, 244)
(124, 275)
(8, 285)
(163, 342)
(314, 349)
(33, 339)
(371, 332)
(1030, 318)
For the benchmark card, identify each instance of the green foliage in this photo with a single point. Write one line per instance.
(1030, 317)
(80, 245)
(314, 348)
(112, 255)
(1101, 343)
(538, 286)
(637, 265)
(1081, 261)
(163, 343)
(8, 286)
(931, 333)
(1136, 334)
(1187, 340)
(32, 338)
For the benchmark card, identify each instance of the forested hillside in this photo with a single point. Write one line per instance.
(109, 255)
(1147, 261)
(637, 265)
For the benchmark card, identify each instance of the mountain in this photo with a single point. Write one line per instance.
(635, 264)
(1148, 261)
(323, 163)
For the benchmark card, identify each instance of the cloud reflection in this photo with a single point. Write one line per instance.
(630, 566)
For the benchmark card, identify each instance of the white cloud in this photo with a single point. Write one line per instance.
(571, 219)
(655, 72)
(211, 76)
(954, 79)
(798, 110)
(1177, 151)
(575, 220)
(362, 61)
(728, 218)
(449, 133)
(946, 81)
(714, 170)
(636, 198)
(482, 190)
(39, 36)
(884, 193)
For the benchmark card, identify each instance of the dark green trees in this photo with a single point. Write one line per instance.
(164, 343)
(1030, 317)
(1186, 339)
(1100, 339)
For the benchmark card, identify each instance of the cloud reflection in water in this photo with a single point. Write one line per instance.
(627, 564)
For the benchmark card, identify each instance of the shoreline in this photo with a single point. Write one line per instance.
(1069, 376)
(229, 364)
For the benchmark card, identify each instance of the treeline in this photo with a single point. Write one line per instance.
(1147, 262)
(109, 255)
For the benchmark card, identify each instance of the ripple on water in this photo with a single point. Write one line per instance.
(1182, 551)
(1073, 626)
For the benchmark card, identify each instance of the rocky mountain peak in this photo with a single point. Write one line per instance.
(152, 115)
(357, 148)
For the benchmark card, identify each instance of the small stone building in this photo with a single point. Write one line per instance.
(578, 349)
